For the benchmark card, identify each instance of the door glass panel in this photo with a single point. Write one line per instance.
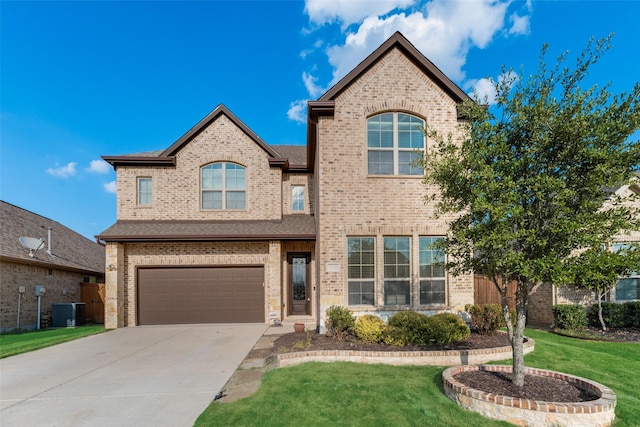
(299, 267)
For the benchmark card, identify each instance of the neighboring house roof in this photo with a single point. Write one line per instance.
(168, 157)
(291, 227)
(69, 250)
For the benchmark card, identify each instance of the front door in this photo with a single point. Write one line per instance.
(299, 286)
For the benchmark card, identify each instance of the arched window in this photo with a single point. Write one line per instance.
(394, 141)
(223, 186)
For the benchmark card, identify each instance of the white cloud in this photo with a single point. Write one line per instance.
(484, 90)
(110, 187)
(63, 171)
(298, 111)
(310, 83)
(350, 11)
(520, 24)
(99, 166)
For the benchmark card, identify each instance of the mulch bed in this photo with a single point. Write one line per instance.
(536, 387)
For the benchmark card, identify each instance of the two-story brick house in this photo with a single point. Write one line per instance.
(222, 227)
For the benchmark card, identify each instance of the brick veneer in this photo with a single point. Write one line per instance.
(597, 413)
(351, 203)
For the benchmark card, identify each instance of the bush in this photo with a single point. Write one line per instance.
(569, 316)
(340, 320)
(394, 336)
(485, 318)
(413, 323)
(612, 313)
(445, 328)
(632, 314)
(369, 328)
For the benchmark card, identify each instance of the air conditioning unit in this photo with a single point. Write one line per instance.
(68, 314)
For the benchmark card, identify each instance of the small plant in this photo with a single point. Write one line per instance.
(340, 321)
(413, 323)
(485, 318)
(369, 328)
(446, 328)
(394, 336)
(570, 316)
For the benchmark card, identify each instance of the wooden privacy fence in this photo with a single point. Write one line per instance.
(93, 295)
(485, 292)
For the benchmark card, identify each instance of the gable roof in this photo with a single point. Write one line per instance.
(69, 250)
(168, 157)
(325, 105)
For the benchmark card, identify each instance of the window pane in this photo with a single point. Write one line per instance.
(297, 198)
(397, 292)
(361, 293)
(380, 131)
(235, 178)
(410, 133)
(236, 200)
(406, 165)
(380, 162)
(144, 191)
(360, 257)
(432, 292)
(212, 200)
(628, 289)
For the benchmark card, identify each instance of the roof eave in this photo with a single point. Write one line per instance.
(204, 238)
(116, 161)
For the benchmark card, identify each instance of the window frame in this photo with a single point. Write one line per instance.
(395, 149)
(224, 188)
(295, 199)
(140, 193)
(424, 279)
(396, 285)
(355, 282)
(634, 276)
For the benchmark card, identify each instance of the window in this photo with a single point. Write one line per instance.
(297, 198)
(144, 191)
(627, 288)
(432, 275)
(394, 141)
(223, 186)
(397, 282)
(361, 270)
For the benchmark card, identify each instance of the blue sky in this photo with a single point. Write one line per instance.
(79, 80)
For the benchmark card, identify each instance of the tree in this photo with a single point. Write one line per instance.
(598, 270)
(528, 178)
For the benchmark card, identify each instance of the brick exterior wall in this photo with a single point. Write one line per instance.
(351, 203)
(176, 191)
(61, 286)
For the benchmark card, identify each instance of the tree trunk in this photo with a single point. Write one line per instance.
(517, 336)
(604, 327)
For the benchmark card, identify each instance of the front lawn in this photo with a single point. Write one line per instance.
(22, 342)
(350, 394)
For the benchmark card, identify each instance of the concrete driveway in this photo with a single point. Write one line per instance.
(137, 376)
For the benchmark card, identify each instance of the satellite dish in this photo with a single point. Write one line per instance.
(31, 243)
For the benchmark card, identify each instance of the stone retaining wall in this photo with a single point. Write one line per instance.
(527, 412)
(432, 358)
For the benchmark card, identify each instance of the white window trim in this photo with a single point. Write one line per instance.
(224, 189)
(395, 149)
(138, 194)
(304, 199)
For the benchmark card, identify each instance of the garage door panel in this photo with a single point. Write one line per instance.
(200, 295)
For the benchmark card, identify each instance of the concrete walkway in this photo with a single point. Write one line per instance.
(137, 376)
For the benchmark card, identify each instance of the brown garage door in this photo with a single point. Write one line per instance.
(200, 295)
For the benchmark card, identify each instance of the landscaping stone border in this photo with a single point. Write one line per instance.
(527, 412)
(432, 358)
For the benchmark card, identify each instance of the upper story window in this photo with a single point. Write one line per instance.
(144, 191)
(394, 141)
(223, 186)
(297, 198)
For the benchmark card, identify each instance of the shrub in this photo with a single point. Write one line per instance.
(445, 328)
(612, 313)
(340, 320)
(485, 318)
(413, 323)
(632, 314)
(394, 336)
(569, 316)
(369, 328)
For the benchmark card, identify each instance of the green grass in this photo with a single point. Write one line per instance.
(22, 342)
(350, 394)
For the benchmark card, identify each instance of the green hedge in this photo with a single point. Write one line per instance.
(569, 316)
(612, 313)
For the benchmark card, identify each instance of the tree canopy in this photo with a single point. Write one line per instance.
(531, 175)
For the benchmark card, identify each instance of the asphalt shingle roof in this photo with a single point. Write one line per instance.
(69, 249)
(291, 227)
